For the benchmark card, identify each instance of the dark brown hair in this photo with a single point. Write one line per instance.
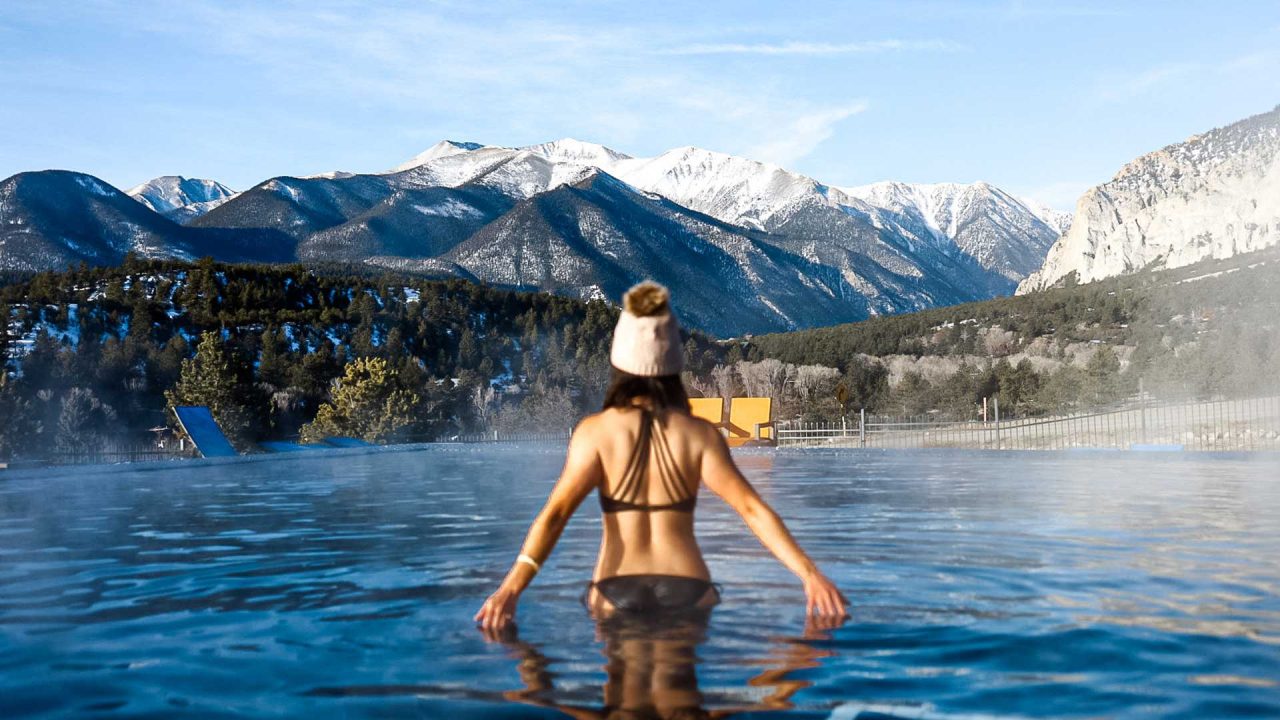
(665, 392)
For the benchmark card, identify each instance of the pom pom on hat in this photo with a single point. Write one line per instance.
(646, 341)
(647, 298)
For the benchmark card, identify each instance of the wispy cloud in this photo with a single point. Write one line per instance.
(803, 134)
(1120, 86)
(1126, 86)
(487, 76)
(815, 48)
(1267, 60)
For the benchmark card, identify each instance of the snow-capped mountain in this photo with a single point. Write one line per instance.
(1001, 232)
(444, 148)
(978, 219)
(577, 151)
(181, 199)
(298, 207)
(746, 246)
(1213, 196)
(594, 238)
(55, 218)
(733, 189)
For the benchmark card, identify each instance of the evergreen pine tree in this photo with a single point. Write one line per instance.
(273, 359)
(468, 352)
(20, 424)
(366, 403)
(209, 379)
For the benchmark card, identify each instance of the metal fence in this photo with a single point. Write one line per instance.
(124, 452)
(1236, 424)
(495, 436)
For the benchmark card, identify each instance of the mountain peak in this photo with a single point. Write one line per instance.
(168, 193)
(444, 148)
(579, 151)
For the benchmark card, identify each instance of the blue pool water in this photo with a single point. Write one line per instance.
(984, 585)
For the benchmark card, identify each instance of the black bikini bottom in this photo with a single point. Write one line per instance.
(653, 594)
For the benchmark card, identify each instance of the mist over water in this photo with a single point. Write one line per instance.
(983, 585)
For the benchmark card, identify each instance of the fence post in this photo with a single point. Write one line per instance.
(1142, 409)
(995, 401)
(862, 427)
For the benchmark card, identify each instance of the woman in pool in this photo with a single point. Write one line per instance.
(647, 457)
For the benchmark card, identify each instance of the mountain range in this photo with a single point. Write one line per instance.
(745, 246)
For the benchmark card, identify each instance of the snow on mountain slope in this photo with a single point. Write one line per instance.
(753, 246)
(597, 237)
(726, 187)
(452, 168)
(181, 199)
(55, 218)
(525, 174)
(409, 223)
(297, 207)
(1056, 219)
(1213, 196)
(444, 148)
(519, 173)
(577, 151)
(1001, 232)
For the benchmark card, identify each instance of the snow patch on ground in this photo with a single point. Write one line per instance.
(449, 208)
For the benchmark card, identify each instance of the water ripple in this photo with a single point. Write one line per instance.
(984, 585)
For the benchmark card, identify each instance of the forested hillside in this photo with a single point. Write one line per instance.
(282, 352)
(93, 351)
(1208, 329)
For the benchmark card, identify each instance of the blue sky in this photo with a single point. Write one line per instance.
(1042, 98)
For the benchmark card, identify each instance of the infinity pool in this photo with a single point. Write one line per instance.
(984, 585)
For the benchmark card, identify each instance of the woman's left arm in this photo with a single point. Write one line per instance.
(582, 472)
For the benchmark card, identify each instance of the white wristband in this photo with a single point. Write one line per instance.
(529, 561)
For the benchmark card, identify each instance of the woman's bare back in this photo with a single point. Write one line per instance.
(653, 542)
(650, 541)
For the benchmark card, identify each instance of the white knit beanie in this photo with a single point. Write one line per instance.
(646, 341)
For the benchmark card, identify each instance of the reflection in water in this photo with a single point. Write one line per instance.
(651, 670)
(996, 585)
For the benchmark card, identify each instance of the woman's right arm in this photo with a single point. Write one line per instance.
(582, 472)
(722, 476)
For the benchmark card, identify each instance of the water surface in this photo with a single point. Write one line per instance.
(984, 585)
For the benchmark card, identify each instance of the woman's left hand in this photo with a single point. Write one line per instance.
(498, 611)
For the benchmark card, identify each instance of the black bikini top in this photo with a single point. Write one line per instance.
(635, 479)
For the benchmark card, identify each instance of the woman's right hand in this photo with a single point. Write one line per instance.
(498, 611)
(824, 599)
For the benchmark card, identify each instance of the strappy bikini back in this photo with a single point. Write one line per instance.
(635, 479)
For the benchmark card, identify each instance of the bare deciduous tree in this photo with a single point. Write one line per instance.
(482, 400)
(762, 379)
(705, 388)
(722, 376)
(810, 380)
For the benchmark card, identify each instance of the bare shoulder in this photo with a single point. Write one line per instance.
(695, 427)
(609, 420)
(588, 426)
